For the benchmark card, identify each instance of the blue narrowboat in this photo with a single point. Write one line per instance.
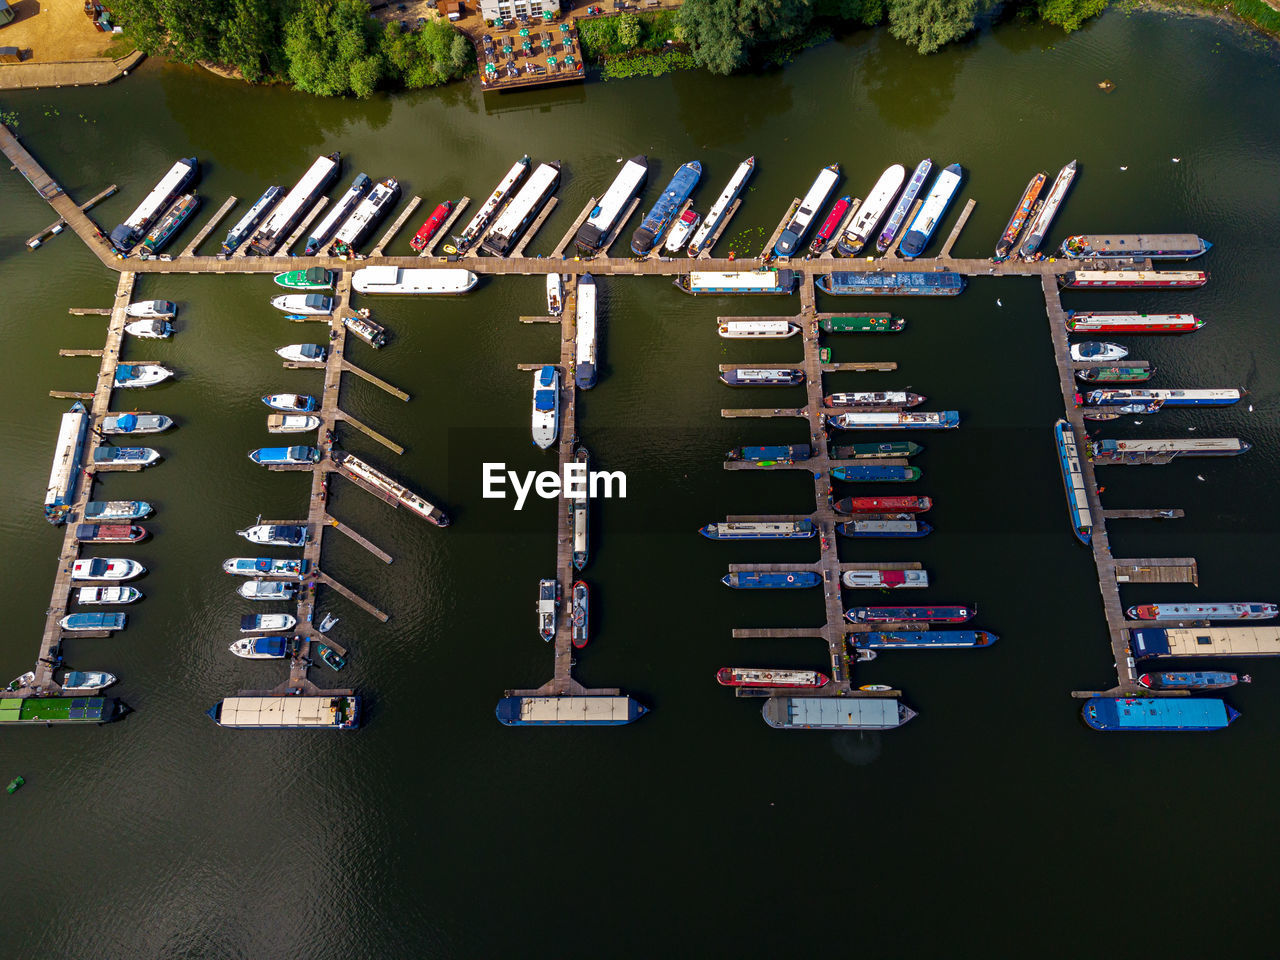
(876, 473)
(778, 453)
(755, 580)
(1073, 481)
(659, 217)
(1154, 714)
(921, 639)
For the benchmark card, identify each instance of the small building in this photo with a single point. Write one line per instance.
(10, 55)
(510, 9)
(6, 13)
(454, 10)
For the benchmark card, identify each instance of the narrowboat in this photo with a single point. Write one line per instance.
(758, 329)
(771, 678)
(1205, 680)
(150, 328)
(267, 622)
(922, 639)
(903, 206)
(432, 225)
(940, 614)
(1133, 279)
(922, 228)
(106, 568)
(1040, 224)
(760, 530)
(1020, 214)
(770, 455)
(1114, 412)
(277, 227)
(306, 304)
(659, 216)
(884, 398)
(152, 309)
(511, 224)
(680, 231)
(104, 456)
(276, 534)
(1157, 714)
(876, 473)
(835, 713)
(115, 424)
(715, 216)
(548, 603)
(261, 648)
(68, 457)
(378, 483)
(266, 590)
(1215, 397)
(568, 711)
(884, 505)
(605, 216)
(546, 406)
(1162, 451)
(116, 510)
(291, 402)
(128, 233)
(585, 354)
(110, 533)
(269, 456)
(1093, 350)
(291, 423)
(302, 353)
(485, 214)
(762, 377)
(843, 283)
(872, 211)
(86, 681)
(742, 281)
(412, 280)
(1073, 481)
(339, 214)
(901, 420)
(297, 712)
(792, 237)
(761, 580)
(357, 227)
(865, 324)
(313, 278)
(875, 451)
(93, 596)
(265, 567)
(580, 515)
(371, 333)
(130, 375)
(1116, 374)
(1090, 322)
(830, 225)
(1135, 246)
(1203, 611)
(883, 529)
(167, 226)
(885, 579)
(248, 223)
(579, 621)
(92, 621)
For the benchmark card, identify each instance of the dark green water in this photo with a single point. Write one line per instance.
(995, 823)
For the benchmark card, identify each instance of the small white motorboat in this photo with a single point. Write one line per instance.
(267, 622)
(1094, 350)
(151, 328)
(681, 230)
(130, 423)
(97, 595)
(313, 304)
(758, 329)
(303, 353)
(275, 534)
(106, 568)
(555, 294)
(291, 423)
(266, 590)
(152, 308)
(141, 374)
(291, 402)
(86, 681)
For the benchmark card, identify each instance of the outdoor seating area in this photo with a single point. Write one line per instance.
(525, 51)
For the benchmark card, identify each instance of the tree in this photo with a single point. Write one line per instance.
(431, 56)
(928, 24)
(628, 31)
(723, 33)
(1069, 14)
(250, 39)
(332, 48)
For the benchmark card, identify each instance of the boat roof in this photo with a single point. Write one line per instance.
(294, 711)
(569, 709)
(544, 400)
(833, 711)
(1205, 642)
(1159, 712)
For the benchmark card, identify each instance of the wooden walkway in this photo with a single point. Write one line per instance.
(208, 228)
(57, 225)
(395, 227)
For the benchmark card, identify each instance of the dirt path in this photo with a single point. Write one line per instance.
(46, 30)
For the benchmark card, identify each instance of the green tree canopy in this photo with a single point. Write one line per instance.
(722, 33)
(332, 48)
(1069, 14)
(929, 24)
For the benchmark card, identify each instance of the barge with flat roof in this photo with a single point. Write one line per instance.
(760, 530)
(365, 217)
(128, 233)
(413, 280)
(288, 712)
(762, 377)
(723, 202)
(521, 211)
(883, 529)
(16, 711)
(1116, 373)
(167, 227)
(569, 711)
(881, 398)
(1133, 279)
(1209, 397)
(897, 283)
(902, 579)
(866, 324)
(872, 211)
(791, 240)
(772, 454)
(829, 225)
(1157, 714)
(585, 362)
(1160, 642)
(741, 281)
(649, 233)
(875, 451)
(276, 228)
(835, 713)
(935, 614)
(876, 473)
(68, 455)
(1196, 680)
(604, 217)
(1137, 246)
(884, 505)
(771, 678)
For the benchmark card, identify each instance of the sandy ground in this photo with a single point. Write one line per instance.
(53, 30)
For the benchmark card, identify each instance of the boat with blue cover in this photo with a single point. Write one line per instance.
(1073, 481)
(884, 528)
(921, 639)
(875, 451)
(276, 534)
(267, 456)
(141, 375)
(925, 223)
(933, 614)
(762, 580)
(116, 509)
(261, 648)
(896, 283)
(791, 240)
(568, 711)
(903, 207)
(245, 226)
(876, 473)
(1201, 680)
(760, 530)
(770, 455)
(135, 423)
(92, 621)
(661, 213)
(546, 406)
(292, 402)
(265, 567)
(125, 456)
(51, 710)
(1155, 714)
(762, 377)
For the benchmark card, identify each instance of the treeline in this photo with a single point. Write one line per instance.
(326, 47)
(728, 35)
